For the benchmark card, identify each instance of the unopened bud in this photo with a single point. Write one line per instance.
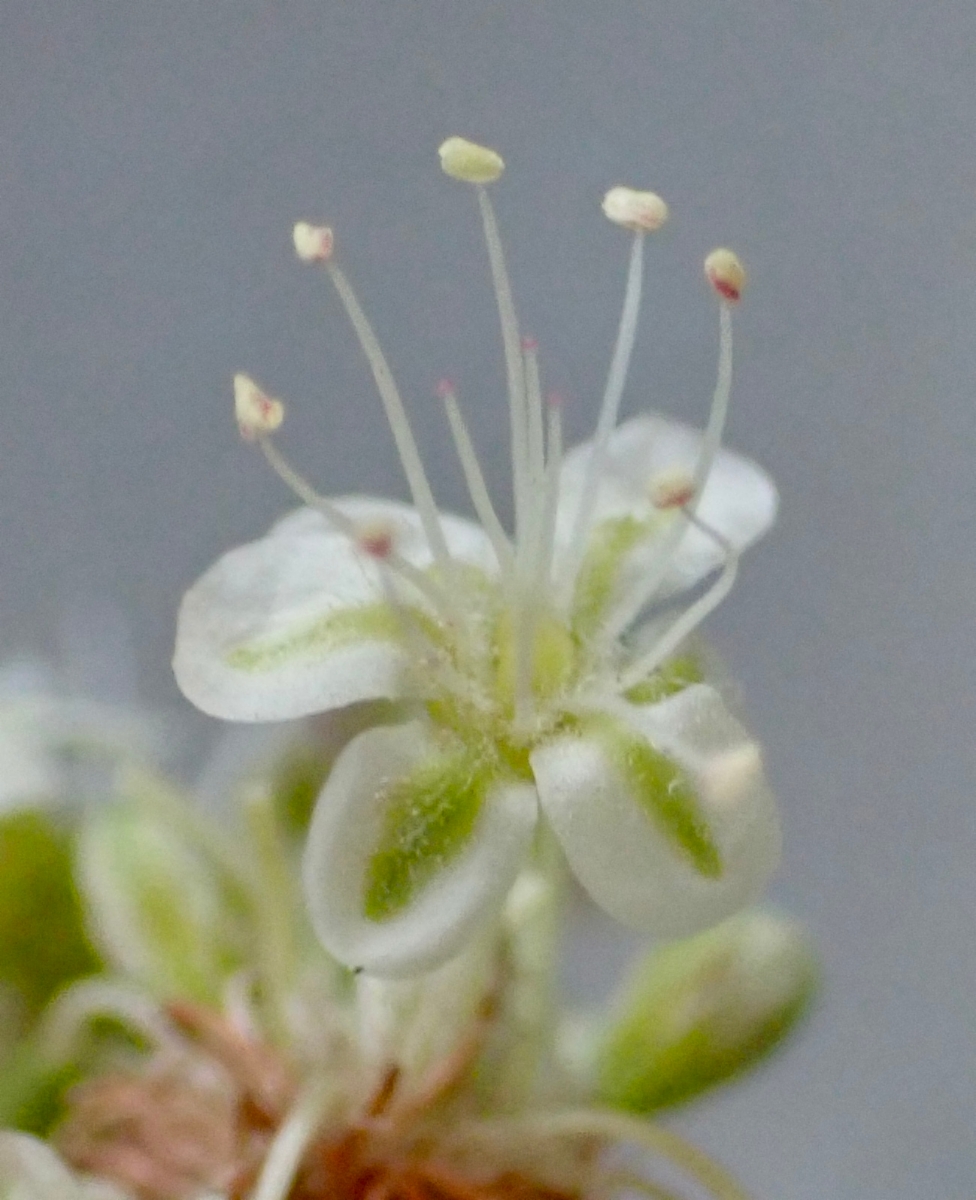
(672, 488)
(313, 243)
(643, 212)
(700, 1011)
(470, 162)
(157, 908)
(726, 274)
(256, 412)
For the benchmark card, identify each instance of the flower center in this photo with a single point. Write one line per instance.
(505, 652)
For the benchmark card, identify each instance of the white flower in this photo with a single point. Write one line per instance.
(531, 692)
(55, 744)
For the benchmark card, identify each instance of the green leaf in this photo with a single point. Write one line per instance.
(43, 944)
(429, 817)
(34, 1084)
(32, 1089)
(662, 789)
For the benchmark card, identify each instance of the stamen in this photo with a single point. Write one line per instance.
(533, 391)
(726, 274)
(255, 411)
(609, 409)
(693, 616)
(711, 442)
(554, 463)
(396, 415)
(513, 362)
(535, 585)
(672, 488)
(712, 439)
(291, 1141)
(313, 243)
(377, 539)
(419, 579)
(638, 211)
(470, 162)
(474, 478)
(534, 501)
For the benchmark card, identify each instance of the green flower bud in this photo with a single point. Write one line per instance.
(157, 906)
(42, 937)
(700, 1011)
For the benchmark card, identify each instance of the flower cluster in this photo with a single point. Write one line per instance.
(539, 674)
(198, 1042)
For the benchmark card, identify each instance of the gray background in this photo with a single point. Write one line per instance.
(153, 157)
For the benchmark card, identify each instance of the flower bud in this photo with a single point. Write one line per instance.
(726, 274)
(643, 212)
(256, 413)
(701, 1011)
(313, 243)
(157, 908)
(470, 162)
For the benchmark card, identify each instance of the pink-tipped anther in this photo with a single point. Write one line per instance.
(313, 243)
(726, 274)
(445, 388)
(257, 413)
(672, 488)
(642, 212)
(376, 540)
(530, 345)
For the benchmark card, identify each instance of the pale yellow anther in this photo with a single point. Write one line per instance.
(257, 414)
(313, 243)
(726, 274)
(674, 487)
(732, 775)
(643, 212)
(470, 162)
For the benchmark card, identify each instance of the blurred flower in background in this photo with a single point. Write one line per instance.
(197, 1040)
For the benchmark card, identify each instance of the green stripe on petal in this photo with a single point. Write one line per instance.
(325, 635)
(429, 818)
(662, 789)
(609, 544)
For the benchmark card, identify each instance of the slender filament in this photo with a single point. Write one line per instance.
(396, 414)
(610, 407)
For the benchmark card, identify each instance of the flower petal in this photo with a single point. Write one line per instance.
(739, 500)
(653, 866)
(297, 623)
(413, 843)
